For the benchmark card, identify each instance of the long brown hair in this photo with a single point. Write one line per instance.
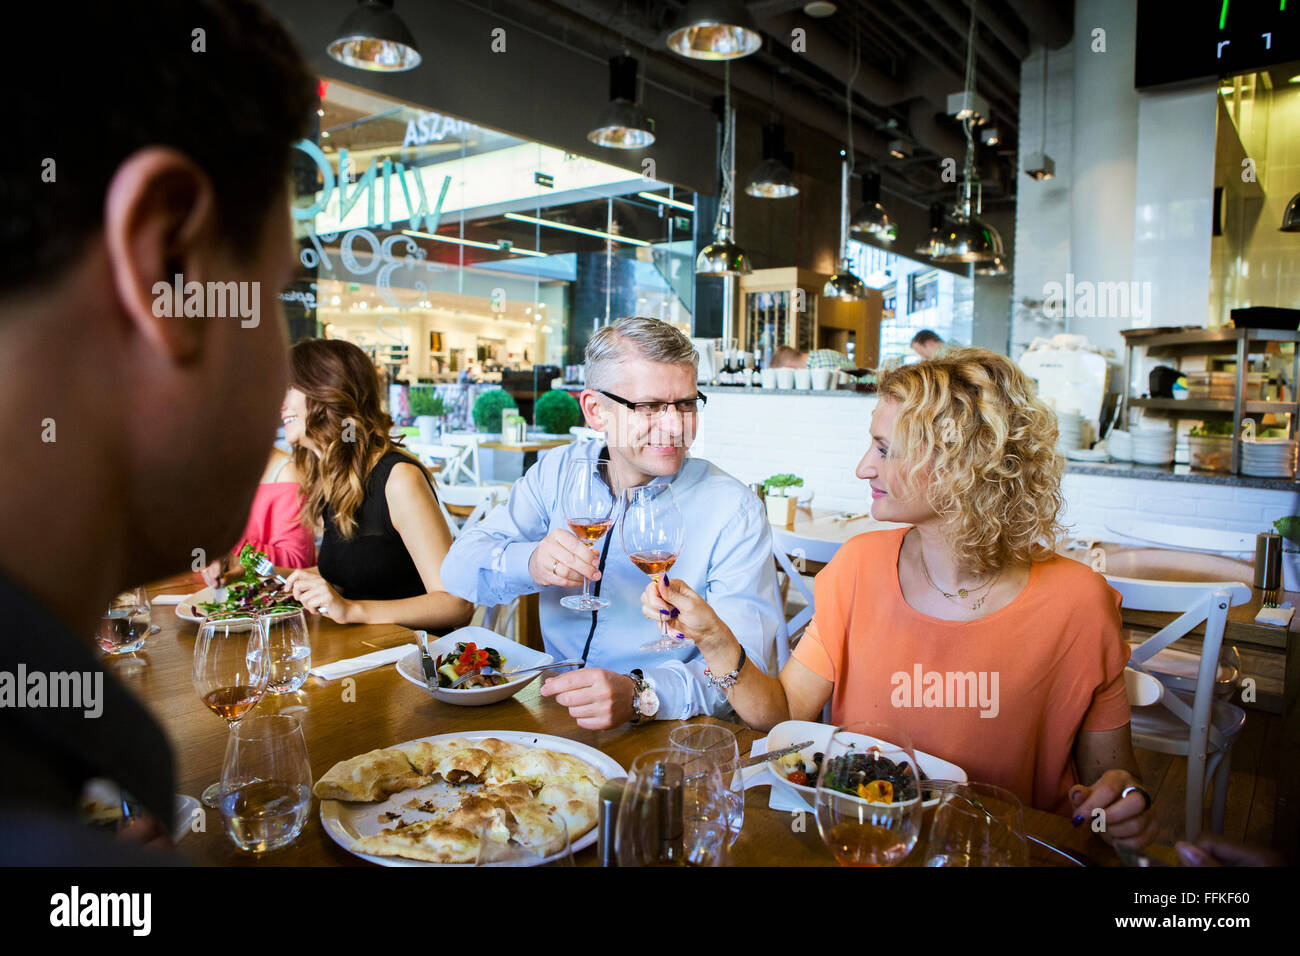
(345, 421)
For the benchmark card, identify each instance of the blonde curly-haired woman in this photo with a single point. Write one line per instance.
(384, 536)
(965, 628)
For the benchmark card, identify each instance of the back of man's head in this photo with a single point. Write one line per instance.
(786, 357)
(150, 159)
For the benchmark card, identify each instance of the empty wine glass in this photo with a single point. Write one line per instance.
(230, 670)
(289, 647)
(126, 624)
(976, 824)
(672, 815)
(868, 799)
(265, 783)
(652, 535)
(544, 842)
(589, 508)
(710, 745)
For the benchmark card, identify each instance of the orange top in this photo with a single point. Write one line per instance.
(1003, 696)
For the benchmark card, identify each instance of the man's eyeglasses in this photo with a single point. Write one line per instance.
(687, 407)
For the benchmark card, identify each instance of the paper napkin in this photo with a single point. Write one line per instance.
(1275, 616)
(781, 798)
(355, 665)
(168, 598)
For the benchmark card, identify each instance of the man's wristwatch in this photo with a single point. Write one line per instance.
(645, 702)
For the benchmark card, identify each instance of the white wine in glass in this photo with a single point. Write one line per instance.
(652, 537)
(589, 509)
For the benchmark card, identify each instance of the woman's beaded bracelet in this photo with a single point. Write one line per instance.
(728, 681)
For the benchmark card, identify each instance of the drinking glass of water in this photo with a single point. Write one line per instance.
(709, 746)
(265, 783)
(976, 824)
(124, 627)
(289, 649)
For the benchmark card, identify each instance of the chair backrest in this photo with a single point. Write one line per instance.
(483, 500)
(790, 551)
(1194, 602)
(466, 466)
(1184, 537)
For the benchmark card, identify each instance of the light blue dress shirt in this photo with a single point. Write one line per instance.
(726, 557)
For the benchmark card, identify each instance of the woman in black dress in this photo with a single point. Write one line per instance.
(384, 536)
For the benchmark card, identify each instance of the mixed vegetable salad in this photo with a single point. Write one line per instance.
(466, 657)
(863, 774)
(251, 593)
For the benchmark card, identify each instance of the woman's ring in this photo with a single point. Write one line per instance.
(1146, 797)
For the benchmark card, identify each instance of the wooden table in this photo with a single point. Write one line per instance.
(388, 709)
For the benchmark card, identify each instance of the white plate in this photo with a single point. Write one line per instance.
(516, 655)
(347, 821)
(792, 731)
(187, 609)
(1087, 454)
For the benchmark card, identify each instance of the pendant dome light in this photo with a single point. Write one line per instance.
(871, 219)
(715, 30)
(844, 285)
(930, 245)
(772, 179)
(1291, 217)
(623, 124)
(969, 239)
(373, 37)
(722, 257)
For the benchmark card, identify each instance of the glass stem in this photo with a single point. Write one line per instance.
(586, 582)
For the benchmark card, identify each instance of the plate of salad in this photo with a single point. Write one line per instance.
(250, 594)
(465, 648)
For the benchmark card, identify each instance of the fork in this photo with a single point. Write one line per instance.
(266, 569)
(487, 671)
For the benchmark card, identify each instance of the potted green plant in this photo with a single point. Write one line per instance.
(488, 408)
(779, 500)
(429, 410)
(556, 412)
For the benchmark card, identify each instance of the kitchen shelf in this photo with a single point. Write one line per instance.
(1181, 343)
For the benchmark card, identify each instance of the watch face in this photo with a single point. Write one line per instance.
(649, 703)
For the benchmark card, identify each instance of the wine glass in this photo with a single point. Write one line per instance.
(976, 824)
(589, 508)
(265, 783)
(545, 842)
(709, 745)
(869, 810)
(652, 537)
(230, 672)
(671, 814)
(125, 625)
(289, 648)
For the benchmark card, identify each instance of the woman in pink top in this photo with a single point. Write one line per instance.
(273, 525)
(964, 628)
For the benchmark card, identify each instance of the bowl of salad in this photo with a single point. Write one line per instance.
(462, 650)
(797, 773)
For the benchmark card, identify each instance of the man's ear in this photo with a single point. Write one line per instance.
(160, 222)
(591, 409)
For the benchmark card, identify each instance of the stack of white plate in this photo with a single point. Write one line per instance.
(1120, 445)
(1268, 458)
(1153, 445)
(1069, 430)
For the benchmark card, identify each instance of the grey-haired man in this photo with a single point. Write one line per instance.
(641, 393)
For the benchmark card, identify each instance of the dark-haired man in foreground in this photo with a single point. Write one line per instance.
(132, 437)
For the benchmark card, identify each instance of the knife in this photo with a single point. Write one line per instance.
(773, 755)
(426, 662)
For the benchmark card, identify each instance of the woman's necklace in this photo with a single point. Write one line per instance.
(962, 593)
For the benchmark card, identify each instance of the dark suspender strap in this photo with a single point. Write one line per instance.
(592, 633)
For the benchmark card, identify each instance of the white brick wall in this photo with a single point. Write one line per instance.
(822, 438)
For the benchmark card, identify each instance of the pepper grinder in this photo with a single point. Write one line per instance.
(1268, 565)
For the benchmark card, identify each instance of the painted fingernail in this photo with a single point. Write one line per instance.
(681, 636)
(665, 577)
(675, 612)
(663, 610)
(1077, 820)
(1074, 794)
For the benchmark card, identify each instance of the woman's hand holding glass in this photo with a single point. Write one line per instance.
(688, 615)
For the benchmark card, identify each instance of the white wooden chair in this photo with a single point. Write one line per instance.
(791, 551)
(1202, 729)
(450, 456)
(481, 499)
(466, 466)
